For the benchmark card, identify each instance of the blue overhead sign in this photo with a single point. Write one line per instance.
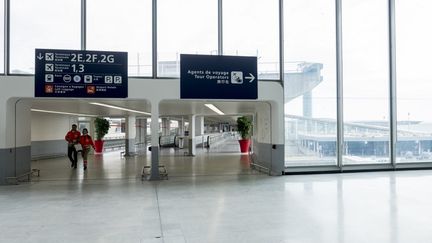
(83, 74)
(218, 77)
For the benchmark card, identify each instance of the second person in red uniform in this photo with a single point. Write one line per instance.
(86, 142)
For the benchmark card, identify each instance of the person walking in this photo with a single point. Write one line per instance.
(72, 137)
(86, 141)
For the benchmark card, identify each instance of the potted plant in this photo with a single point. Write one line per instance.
(101, 126)
(244, 127)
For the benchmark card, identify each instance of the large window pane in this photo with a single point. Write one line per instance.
(125, 25)
(1, 37)
(310, 82)
(366, 81)
(53, 24)
(185, 27)
(414, 82)
(251, 28)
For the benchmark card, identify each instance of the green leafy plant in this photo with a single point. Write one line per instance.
(101, 126)
(244, 126)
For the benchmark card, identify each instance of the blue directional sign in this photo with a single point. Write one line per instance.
(218, 77)
(84, 74)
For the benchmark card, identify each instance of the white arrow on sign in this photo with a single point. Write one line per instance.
(251, 77)
(40, 57)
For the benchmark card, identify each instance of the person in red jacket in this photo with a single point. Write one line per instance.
(72, 137)
(86, 141)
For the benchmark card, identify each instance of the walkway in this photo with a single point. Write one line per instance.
(211, 198)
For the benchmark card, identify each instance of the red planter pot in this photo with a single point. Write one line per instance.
(244, 145)
(98, 146)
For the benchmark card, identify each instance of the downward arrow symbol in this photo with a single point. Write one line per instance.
(40, 57)
(251, 77)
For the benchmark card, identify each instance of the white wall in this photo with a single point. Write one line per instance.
(272, 93)
(262, 124)
(45, 126)
(14, 87)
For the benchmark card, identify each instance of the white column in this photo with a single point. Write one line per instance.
(199, 126)
(180, 133)
(91, 129)
(144, 133)
(166, 123)
(138, 129)
(144, 127)
(154, 174)
(142, 130)
(181, 127)
(130, 132)
(192, 144)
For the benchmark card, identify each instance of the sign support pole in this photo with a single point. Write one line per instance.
(154, 172)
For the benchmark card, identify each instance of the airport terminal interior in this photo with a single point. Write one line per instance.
(333, 98)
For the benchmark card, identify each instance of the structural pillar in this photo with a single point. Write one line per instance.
(166, 126)
(307, 104)
(130, 137)
(199, 126)
(141, 130)
(192, 143)
(420, 148)
(199, 129)
(181, 127)
(154, 173)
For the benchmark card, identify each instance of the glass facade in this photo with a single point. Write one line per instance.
(312, 57)
(413, 51)
(365, 81)
(253, 31)
(132, 34)
(52, 24)
(310, 83)
(187, 27)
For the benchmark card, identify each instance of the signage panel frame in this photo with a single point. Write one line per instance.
(218, 77)
(61, 73)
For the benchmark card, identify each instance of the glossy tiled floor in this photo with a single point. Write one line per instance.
(213, 197)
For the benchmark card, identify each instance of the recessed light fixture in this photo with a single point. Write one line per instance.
(120, 108)
(63, 113)
(215, 109)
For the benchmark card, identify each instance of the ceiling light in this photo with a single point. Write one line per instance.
(63, 113)
(215, 109)
(120, 108)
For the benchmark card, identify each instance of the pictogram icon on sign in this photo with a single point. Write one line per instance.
(49, 56)
(236, 77)
(49, 67)
(77, 78)
(108, 79)
(88, 79)
(49, 78)
(117, 79)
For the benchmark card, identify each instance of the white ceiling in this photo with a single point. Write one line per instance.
(83, 106)
(186, 107)
(169, 108)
